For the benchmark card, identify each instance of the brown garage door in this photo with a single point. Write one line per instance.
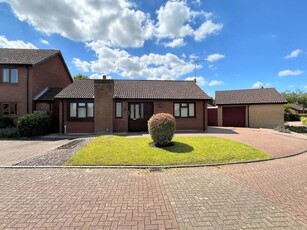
(234, 116)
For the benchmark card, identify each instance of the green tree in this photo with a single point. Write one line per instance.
(80, 76)
(297, 96)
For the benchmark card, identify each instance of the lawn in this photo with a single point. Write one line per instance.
(120, 150)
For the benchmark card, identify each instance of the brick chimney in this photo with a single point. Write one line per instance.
(104, 105)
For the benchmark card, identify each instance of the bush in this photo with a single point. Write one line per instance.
(34, 125)
(304, 120)
(291, 117)
(303, 115)
(161, 127)
(6, 122)
(297, 129)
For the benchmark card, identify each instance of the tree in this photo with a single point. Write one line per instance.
(298, 97)
(80, 76)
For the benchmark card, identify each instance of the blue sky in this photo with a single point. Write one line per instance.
(238, 44)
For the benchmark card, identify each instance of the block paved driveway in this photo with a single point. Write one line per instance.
(267, 195)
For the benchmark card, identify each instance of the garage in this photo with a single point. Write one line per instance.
(255, 108)
(234, 116)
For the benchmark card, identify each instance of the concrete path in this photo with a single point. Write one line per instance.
(266, 195)
(14, 151)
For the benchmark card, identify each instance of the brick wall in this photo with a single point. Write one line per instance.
(266, 116)
(14, 92)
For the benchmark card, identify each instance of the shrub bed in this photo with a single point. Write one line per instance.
(6, 122)
(34, 125)
(161, 127)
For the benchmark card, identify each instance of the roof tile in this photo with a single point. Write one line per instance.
(249, 96)
(25, 56)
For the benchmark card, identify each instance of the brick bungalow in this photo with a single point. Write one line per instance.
(255, 108)
(26, 75)
(89, 106)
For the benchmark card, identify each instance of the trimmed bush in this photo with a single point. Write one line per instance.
(6, 122)
(34, 125)
(161, 127)
(291, 117)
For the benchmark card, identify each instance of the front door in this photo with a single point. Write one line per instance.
(139, 114)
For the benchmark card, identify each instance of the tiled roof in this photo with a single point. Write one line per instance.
(155, 89)
(48, 95)
(78, 89)
(249, 96)
(296, 107)
(25, 56)
(138, 89)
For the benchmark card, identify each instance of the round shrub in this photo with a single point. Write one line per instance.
(34, 125)
(161, 127)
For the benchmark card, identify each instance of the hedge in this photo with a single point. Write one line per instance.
(34, 125)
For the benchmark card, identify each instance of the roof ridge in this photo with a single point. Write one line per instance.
(243, 89)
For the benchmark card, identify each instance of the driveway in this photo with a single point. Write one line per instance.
(265, 195)
(14, 151)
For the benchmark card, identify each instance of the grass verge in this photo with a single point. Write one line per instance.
(118, 150)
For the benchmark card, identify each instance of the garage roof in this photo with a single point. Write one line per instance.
(249, 96)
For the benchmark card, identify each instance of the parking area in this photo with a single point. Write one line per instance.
(14, 151)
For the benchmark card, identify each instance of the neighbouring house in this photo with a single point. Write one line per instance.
(296, 109)
(256, 108)
(107, 105)
(29, 80)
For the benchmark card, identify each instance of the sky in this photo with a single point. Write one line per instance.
(224, 44)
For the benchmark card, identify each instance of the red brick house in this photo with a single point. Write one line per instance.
(88, 106)
(28, 80)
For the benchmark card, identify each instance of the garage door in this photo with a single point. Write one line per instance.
(234, 116)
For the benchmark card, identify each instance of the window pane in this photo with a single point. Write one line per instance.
(184, 112)
(73, 109)
(184, 104)
(14, 75)
(142, 110)
(81, 104)
(118, 109)
(6, 75)
(13, 109)
(191, 110)
(176, 109)
(90, 109)
(132, 111)
(137, 111)
(81, 112)
(6, 109)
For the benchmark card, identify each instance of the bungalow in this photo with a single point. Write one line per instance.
(256, 108)
(107, 105)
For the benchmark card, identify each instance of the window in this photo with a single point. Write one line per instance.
(81, 110)
(10, 75)
(9, 109)
(118, 110)
(136, 111)
(184, 109)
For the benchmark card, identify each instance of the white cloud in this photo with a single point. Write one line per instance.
(199, 80)
(5, 43)
(179, 42)
(214, 57)
(118, 61)
(99, 76)
(116, 22)
(207, 28)
(257, 85)
(215, 83)
(288, 72)
(81, 65)
(45, 42)
(293, 54)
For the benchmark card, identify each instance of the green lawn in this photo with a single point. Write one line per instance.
(119, 150)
